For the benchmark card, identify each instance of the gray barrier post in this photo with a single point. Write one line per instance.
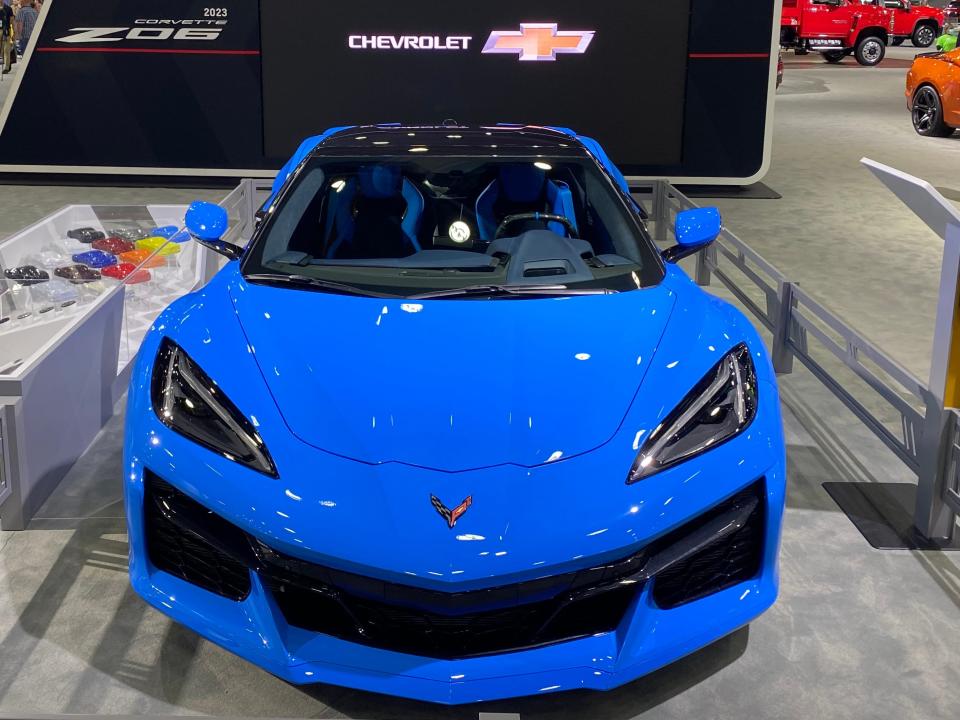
(781, 355)
(934, 518)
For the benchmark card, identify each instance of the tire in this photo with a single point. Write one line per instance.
(897, 42)
(923, 36)
(926, 112)
(870, 50)
(833, 56)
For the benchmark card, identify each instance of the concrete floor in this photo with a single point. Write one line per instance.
(857, 633)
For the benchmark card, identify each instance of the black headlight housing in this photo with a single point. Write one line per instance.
(188, 401)
(719, 407)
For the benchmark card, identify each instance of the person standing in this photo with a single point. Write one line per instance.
(6, 36)
(24, 23)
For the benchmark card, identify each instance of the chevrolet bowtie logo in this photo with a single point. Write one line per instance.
(539, 41)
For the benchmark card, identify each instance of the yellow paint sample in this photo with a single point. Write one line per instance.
(153, 243)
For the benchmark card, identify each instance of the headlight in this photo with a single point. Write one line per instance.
(188, 401)
(718, 408)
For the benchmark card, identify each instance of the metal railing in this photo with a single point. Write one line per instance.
(800, 327)
(241, 205)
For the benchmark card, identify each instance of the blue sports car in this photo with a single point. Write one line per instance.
(452, 427)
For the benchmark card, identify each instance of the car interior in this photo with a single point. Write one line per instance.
(381, 211)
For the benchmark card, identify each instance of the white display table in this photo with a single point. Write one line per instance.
(66, 342)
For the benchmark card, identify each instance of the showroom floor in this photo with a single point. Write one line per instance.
(857, 632)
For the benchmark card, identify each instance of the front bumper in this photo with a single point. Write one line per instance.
(647, 638)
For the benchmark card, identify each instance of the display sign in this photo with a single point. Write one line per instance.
(671, 88)
(150, 85)
(613, 69)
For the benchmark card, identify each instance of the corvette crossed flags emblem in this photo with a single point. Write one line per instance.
(451, 516)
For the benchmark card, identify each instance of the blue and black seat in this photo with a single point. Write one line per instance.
(376, 214)
(523, 188)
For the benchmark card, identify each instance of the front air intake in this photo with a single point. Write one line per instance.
(176, 527)
(729, 560)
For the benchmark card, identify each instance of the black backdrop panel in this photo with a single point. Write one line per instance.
(151, 100)
(312, 78)
(727, 84)
(670, 87)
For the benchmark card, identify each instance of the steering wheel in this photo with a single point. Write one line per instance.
(545, 217)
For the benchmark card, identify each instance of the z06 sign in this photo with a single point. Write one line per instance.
(147, 30)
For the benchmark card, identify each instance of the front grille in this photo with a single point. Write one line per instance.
(721, 564)
(456, 625)
(175, 548)
(715, 550)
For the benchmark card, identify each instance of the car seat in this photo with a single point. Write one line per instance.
(376, 214)
(522, 188)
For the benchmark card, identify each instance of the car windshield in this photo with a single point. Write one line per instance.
(453, 226)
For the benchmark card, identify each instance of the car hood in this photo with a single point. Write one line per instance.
(452, 385)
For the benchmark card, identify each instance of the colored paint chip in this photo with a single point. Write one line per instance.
(129, 233)
(95, 259)
(86, 235)
(27, 275)
(160, 244)
(127, 272)
(77, 273)
(114, 245)
(142, 257)
(164, 231)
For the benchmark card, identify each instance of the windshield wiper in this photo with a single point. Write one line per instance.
(512, 290)
(311, 283)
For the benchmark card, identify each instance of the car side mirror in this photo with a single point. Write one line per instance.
(207, 222)
(694, 230)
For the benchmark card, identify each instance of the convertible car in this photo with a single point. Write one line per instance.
(452, 427)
